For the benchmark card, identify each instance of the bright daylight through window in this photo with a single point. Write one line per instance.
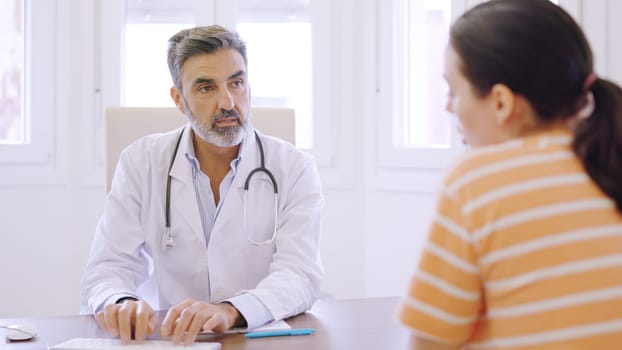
(12, 116)
(278, 37)
(146, 79)
(424, 123)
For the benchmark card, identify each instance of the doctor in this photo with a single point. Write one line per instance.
(228, 259)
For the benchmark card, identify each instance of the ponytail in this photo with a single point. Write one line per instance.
(598, 140)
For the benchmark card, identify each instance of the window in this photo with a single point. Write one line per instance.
(417, 132)
(146, 78)
(278, 35)
(12, 120)
(413, 36)
(424, 121)
(148, 25)
(27, 108)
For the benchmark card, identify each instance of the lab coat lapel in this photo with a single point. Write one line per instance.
(183, 197)
(248, 162)
(231, 211)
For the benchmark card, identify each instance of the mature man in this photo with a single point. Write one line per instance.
(177, 221)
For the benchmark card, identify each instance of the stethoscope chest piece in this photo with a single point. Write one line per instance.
(168, 241)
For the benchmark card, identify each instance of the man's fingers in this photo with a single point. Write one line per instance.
(170, 320)
(101, 321)
(187, 319)
(223, 317)
(153, 323)
(127, 314)
(144, 314)
(214, 323)
(196, 325)
(112, 319)
(183, 322)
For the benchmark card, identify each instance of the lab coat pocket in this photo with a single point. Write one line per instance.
(260, 211)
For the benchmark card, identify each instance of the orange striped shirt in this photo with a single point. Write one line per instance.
(524, 252)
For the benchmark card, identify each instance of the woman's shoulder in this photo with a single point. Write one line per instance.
(477, 159)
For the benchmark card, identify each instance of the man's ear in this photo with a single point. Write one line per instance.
(176, 96)
(504, 102)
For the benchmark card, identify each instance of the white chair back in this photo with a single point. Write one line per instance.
(127, 124)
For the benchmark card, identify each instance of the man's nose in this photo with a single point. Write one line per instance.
(225, 100)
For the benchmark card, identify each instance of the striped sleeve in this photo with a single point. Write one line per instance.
(444, 298)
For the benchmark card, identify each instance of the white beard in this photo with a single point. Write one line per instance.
(221, 137)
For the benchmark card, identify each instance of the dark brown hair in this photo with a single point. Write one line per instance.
(536, 49)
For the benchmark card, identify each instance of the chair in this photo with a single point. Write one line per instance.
(127, 124)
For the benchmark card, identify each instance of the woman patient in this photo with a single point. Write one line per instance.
(525, 249)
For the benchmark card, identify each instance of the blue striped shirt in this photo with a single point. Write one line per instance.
(253, 310)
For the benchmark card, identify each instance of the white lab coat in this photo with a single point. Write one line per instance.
(284, 276)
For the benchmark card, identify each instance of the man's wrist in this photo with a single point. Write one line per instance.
(238, 319)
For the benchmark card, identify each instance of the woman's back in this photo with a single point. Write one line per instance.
(525, 251)
(544, 240)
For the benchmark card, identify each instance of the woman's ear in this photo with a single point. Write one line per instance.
(503, 102)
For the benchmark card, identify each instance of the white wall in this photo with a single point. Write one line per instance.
(372, 233)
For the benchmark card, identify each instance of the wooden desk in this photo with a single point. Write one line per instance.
(358, 324)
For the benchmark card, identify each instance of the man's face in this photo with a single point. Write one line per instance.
(215, 97)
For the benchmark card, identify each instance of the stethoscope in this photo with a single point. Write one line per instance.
(168, 240)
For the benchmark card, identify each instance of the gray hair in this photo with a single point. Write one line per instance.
(200, 40)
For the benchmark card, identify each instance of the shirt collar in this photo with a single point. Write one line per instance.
(194, 162)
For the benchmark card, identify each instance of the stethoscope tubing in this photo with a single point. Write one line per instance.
(169, 240)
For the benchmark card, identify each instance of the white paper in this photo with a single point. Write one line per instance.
(116, 344)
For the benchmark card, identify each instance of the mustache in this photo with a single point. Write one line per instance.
(226, 114)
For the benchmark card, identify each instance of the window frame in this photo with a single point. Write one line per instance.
(223, 12)
(417, 169)
(389, 155)
(40, 82)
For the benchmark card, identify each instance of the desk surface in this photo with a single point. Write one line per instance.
(339, 325)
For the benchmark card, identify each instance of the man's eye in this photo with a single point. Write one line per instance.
(207, 88)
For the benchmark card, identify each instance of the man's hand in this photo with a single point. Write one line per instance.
(188, 318)
(120, 319)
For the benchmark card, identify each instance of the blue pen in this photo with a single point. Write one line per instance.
(280, 332)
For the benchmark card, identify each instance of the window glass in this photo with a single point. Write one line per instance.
(12, 116)
(279, 69)
(278, 38)
(146, 79)
(279, 46)
(424, 121)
